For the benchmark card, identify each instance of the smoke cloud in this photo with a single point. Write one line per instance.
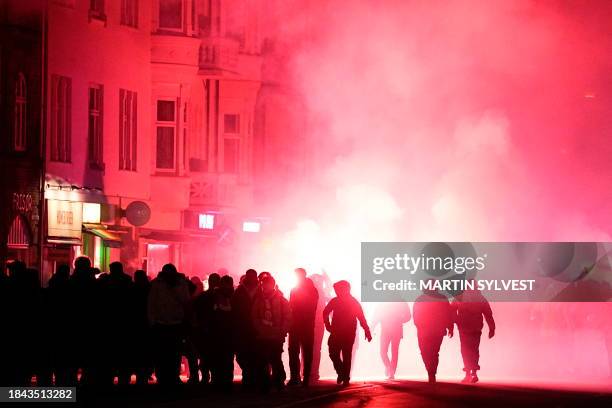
(446, 120)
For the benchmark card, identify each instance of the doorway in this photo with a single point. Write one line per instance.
(157, 256)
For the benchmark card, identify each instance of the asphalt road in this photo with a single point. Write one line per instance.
(403, 394)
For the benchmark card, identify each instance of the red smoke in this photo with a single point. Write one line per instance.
(448, 120)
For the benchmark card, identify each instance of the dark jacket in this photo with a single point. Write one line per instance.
(469, 309)
(433, 314)
(221, 323)
(118, 302)
(242, 305)
(141, 296)
(203, 310)
(271, 317)
(345, 311)
(303, 303)
(169, 299)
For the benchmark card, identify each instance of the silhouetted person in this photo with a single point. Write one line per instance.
(168, 305)
(345, 311)
(58, 309)
(470, 308)
(323, 286)
(190, 349)
(118, 319)
(303, 303)
(198, 284)
(202, 315)
(143, 360)
(263, 275)
(5, 341)
(392, 316)
(84, 303)
(61, 276)
(23, 324)
(223, 271)
(271, 320)
(433, 320)
(214, 281)
(242, 304)
(222, 335)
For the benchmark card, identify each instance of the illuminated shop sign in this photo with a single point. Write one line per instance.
(206, 221)
(251, 226)
(22, 202)
(91, 213)
(65, 218)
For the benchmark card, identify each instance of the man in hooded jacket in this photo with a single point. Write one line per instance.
(271, 321)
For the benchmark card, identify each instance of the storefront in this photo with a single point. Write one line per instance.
(192, 253)
(74, 229)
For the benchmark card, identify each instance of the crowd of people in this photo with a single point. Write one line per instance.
(99, 329)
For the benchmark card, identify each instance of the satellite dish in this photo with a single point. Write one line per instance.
(138, 213)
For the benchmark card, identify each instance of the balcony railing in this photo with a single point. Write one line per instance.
(180, 50)
(219, 53)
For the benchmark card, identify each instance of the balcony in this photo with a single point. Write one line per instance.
(217, 53)
(223, 56)
(175, 49)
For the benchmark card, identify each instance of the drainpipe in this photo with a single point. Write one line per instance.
(43, 137)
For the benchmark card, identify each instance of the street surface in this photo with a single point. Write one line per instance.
(361, 395)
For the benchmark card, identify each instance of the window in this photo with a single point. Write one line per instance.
(165, 148)
(231, 143)
(95, 140)
(19, 121)
(165, 111)
(166, 126)
(184, 126)
(128, 125)
(61, 118)
(129, 13)
(231, 123)
(171, 14)
(96, 9)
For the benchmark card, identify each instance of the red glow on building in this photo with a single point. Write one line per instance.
(273, 133)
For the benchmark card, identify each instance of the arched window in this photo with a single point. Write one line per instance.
(19, 123)
(19, 234)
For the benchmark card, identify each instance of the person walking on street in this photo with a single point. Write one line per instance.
(469, 308)
(345, 311)
(303, 303)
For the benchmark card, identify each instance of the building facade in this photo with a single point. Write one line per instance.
(206, 67)
(135, 131)
(97, 129)
(21, 75)
(149, 133)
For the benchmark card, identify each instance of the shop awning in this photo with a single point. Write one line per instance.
(174, 236)
(101, 231)
(63, 241)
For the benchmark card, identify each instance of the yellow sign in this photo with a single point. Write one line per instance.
(91, 213)
(65, 218)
